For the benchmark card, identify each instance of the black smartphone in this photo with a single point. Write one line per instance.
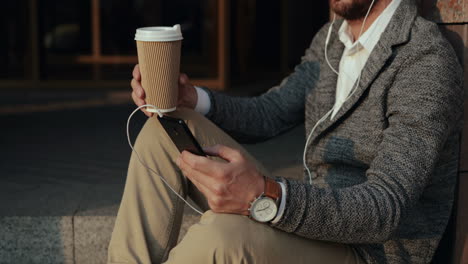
(180, 135)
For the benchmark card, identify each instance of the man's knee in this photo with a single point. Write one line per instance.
(148, 135)
(155, 150)
(152, 135)
(153, 142)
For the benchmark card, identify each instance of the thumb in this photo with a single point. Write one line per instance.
(224, 152)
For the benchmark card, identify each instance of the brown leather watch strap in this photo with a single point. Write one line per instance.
(272, 189)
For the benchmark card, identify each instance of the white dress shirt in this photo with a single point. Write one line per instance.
(352, 62)
(203, 103)
(356, 53)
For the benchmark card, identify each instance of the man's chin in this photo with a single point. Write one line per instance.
(350, 9)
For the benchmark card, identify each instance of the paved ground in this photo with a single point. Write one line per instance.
(61, 179)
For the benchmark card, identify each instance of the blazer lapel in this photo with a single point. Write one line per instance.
(374, 64)
(397, 32)
(328, 78)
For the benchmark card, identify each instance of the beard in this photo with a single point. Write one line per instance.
(351, 9)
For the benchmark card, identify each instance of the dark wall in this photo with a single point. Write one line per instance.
(269, 38)
(305, 18)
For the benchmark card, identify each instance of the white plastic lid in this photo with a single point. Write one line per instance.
(159, 33)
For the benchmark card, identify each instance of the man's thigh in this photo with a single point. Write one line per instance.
(227, 238)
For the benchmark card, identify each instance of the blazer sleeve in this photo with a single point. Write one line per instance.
(424, 107)
(254, 119)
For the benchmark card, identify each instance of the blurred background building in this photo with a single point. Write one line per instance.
(75, 44)
(65, 70)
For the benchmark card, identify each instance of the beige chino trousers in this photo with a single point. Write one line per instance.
(150, 215)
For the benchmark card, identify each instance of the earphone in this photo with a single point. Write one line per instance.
(327, 40)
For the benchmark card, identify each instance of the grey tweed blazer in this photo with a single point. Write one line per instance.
(385, 167)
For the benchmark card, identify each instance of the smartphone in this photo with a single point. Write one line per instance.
(180, 135)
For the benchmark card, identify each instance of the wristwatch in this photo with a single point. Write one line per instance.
(265, 207)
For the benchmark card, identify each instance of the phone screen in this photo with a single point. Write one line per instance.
(180, 135)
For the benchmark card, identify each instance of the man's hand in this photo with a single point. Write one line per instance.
(229, 186)
(187, 93)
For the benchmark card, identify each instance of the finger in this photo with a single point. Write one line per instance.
(136, 73)
(215, 203)
(148, 114)
(195, 175)
(206, 192)
(218, 196)
(139, 102)
(203, 164)
(139, 93)
(136, 86)
(183, 79)
(224, 152)
(222, 204)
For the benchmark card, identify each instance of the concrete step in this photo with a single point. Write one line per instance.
(60, 219)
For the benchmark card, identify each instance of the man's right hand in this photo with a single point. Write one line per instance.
(187, 94)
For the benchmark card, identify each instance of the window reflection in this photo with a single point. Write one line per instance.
(67, 33)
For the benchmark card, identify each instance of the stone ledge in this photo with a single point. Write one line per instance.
(65, 221)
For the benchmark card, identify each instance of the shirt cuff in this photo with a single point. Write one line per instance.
(282, 206)
(203, 103)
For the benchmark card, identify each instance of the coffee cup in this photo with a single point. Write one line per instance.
(159, 51)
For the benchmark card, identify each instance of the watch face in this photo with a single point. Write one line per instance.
(263, 209)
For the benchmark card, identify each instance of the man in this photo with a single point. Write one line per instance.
(383, 159)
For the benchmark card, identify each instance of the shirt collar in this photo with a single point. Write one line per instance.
(371, 36)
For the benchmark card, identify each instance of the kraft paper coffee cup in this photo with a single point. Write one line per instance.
(159, 61)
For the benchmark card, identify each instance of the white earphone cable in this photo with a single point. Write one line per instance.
(326, 45)
(353, 90)
(146, 166)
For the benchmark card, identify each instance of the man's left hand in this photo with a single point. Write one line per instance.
(228, 186)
